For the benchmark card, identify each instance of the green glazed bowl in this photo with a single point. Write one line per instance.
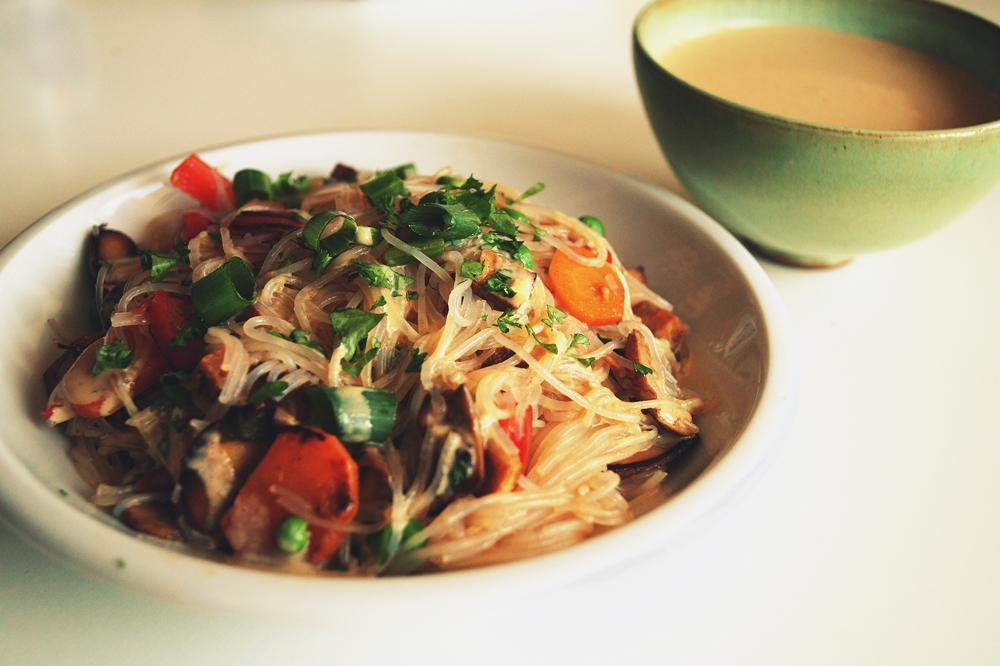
(810, 194)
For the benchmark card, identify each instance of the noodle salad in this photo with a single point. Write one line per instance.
(374, 372)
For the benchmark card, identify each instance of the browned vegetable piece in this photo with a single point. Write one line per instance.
(521, 282)
(107, 246)
(653, 458)
(647, 387)
(374, 488)
(450, 421)
(499, 355)
(211, 366)
(638, 273)
(155, 517)
(344, 173)
(663, 323)
(219, 462)
(55, 372)
(503, 467)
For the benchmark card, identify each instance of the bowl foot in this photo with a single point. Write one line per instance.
(794, 259)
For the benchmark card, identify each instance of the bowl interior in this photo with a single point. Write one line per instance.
(716, 288)
(947, 33)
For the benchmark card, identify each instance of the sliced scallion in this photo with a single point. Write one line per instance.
(355, 414)
(224, 292)
(432, 247)
(250, 184)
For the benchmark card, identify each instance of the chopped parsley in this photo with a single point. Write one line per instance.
(194, 331)
(417, 359)
(585, 362)
(157, 263)
(174, 390)
(268, 390)
(354, 369)
(115, 356)
(471, 269)
(506, 320)
(378, 275)
(461, 470)
(641, 369)
(301, 337)
(578, 339)
(379, 302)
(499, 283)
(555, 316)
(549, 347)
(353, 325)
(412, 295)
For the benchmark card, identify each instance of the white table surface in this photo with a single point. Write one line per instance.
(874, 538)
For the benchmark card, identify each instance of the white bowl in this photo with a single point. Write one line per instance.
(741, 340)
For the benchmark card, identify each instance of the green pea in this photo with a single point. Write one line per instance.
(293, 535)
(593, 223)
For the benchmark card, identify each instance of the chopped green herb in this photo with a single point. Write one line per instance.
(174, 390)
(471, 269)
(433, 219)
(178, 424)
(460, 471)
(293, 535)
(550, 348)
(301, 337)
(555, 316)
(196, 330)
(516, 249)
(354, 369)
(115, 356)
(641, 369)
(499, 283)
(120, 563)
(383, 190)
(353, 325)
(63, 493)
(578, 339)
(379, 302)
(157, 263)
(531, 191)
(291, 186)
(506, 320)
(585, 362)
(164, 446)
(412, 296)
(182, 251)
(503, 223)
(417, 359)
(378, 275)
(268, 390)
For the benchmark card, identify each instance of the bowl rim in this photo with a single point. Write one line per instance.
(640, 50)
(133, 562)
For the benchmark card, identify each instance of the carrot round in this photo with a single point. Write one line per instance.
(592, 294)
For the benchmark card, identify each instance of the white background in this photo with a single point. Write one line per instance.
(874, 537)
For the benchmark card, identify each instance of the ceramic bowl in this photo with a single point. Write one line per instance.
(806, 193)
(741, 338)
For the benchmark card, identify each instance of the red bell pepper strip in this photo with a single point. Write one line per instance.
(195, 221)
(201, 182)
(518, 428)
(168, 315)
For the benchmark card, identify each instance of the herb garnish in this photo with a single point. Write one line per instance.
(378, 275)
(114, 356)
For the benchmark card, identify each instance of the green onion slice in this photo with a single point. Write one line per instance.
(432, 247)
(224, 292)
(250, 184)
(354, 414)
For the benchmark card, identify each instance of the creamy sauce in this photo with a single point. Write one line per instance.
(834, 78)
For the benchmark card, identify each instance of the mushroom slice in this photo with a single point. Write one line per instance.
(157, 517)
(268, 220)
(663, 323)
(503, 467)
(219, 463)
(107, 246)
(452, 428)
(504, 283)
(675, 415)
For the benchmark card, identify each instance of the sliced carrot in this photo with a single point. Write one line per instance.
(314, 466)
(592, 294)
